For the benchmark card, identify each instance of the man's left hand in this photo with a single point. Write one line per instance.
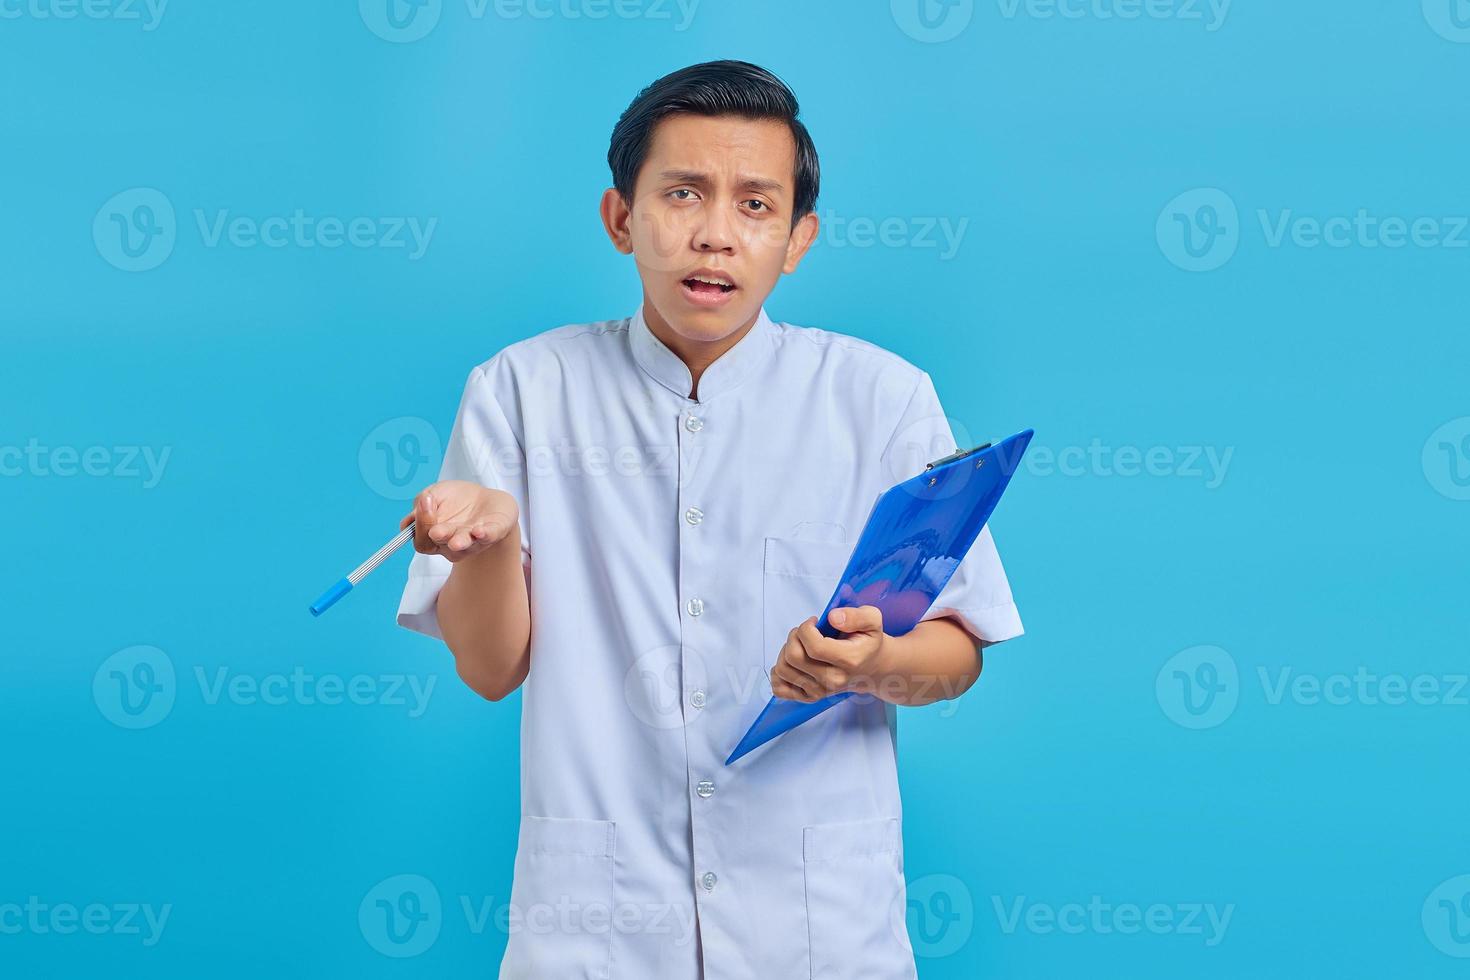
(812, 666)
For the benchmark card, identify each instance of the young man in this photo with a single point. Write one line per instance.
(637, 520)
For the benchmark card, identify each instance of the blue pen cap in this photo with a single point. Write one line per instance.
(329, 598)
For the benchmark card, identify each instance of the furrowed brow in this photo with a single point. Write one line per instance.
(684, 176)
(697, 177)
(762, 184)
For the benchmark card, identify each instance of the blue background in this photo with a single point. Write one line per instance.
(1088, 762)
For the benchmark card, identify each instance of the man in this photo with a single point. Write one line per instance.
(637, 520)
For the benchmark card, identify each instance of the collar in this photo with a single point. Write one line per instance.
(727, 371)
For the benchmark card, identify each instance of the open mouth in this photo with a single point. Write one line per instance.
(708, 287)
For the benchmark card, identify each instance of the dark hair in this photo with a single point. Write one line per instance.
(715, 88)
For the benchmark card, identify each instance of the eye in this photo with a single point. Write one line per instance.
(682, 190)
(757, 205)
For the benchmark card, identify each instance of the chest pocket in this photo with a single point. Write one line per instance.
(797, 578)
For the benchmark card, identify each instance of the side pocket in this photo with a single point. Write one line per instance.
(797, 579)
(561, 900)
(855, 901)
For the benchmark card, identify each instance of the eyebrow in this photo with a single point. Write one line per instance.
(703, 179)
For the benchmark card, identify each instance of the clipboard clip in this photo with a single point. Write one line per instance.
(957, 454)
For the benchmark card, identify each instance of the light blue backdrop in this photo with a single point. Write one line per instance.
(1216, 256)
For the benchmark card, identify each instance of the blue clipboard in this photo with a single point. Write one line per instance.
(909, 548)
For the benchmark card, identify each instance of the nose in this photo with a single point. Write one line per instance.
(715, 233)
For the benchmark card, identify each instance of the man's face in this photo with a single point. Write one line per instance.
(710, 224)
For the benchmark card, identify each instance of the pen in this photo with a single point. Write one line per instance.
(329, 598)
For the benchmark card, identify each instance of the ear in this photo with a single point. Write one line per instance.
(615, 220)
(801, 239)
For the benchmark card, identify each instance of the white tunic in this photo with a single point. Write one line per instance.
(671, 543)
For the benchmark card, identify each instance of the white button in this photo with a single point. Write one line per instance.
(697, 699)
(694, 423)
(709, 880)
(694, 515)
(705, 789)
(695, 607)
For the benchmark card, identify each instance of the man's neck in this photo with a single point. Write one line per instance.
(697, 355)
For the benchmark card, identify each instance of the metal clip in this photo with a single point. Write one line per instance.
(957, 454)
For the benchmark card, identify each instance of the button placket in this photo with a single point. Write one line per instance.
(694, 567)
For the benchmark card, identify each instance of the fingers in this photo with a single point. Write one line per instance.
(791, 684)
(424, 509)
(782, 689)
(825, 652)
(438, 534)
(804, 678)
(857, 619)
(493, 527)
(861, 627)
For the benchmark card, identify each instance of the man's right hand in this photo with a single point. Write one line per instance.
(459, 519)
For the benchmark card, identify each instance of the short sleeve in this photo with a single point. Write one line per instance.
(978, 595)
(485, 447)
